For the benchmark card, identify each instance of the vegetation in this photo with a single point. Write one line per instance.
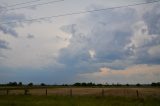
(84, 84)
(12, 84)
(30, 84)
(21, 100)
(155, 84)
(42, 84)
(78, 96)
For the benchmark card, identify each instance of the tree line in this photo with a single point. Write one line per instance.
(21, 84)
(79, 84)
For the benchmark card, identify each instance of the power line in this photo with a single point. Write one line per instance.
(35, 5)
(22, 3)
(82, 12)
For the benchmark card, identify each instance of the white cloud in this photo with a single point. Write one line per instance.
(10, 28)
(92, 53)
(115, 39)
(154, 51)
(140, 37)
(38, 52)
(120, 39)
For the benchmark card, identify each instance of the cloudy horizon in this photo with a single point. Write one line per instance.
(120, 45)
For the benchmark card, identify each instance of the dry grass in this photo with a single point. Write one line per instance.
(155, 92)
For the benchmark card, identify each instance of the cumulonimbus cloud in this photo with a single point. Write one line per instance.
(4, 44)
(9, 28)
(113, 35)
(122, 39)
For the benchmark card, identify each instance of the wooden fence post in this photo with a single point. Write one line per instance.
(137, 93)
(46, 92)
(26, 92)
(70, 92)
(7, 91)
(102, 92)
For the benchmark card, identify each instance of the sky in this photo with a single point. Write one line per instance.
(120, 45)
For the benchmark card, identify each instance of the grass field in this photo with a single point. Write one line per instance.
(30, 100)
(129, 92)
(82, 97)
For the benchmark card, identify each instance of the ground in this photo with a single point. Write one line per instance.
(82, 97)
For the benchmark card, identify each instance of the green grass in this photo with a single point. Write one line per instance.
(21, 100)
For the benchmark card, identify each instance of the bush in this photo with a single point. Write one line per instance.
(30, 84)
(155, 84)
(42, 84)
(20, 84)
(12, 84)
(138, 84)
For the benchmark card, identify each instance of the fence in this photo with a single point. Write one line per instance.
(82, 91)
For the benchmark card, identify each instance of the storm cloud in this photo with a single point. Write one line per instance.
(118, 38)
(13, 19)
(4, 44)
(115, 45)
(152, 19)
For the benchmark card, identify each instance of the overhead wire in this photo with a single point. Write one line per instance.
(17, 4)
(34, 5)
(81, 12)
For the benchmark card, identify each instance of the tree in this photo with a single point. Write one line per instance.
(12, 84)
(30, 84)
(127, 85)
(155, 84)
(84, 84)
(90, 84)
(20, 84)
(138, 84)
(77, 84)
(99, 85)
(43, 84)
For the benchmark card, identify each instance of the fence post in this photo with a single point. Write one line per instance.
(26, 92)
(137, 93)
(7, 91)
(102, 92)
(46, 92)
(124, 92)
(70, 91)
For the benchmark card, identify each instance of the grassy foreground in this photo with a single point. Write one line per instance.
(21, 100)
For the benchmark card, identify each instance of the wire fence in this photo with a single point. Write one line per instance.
(132, 92)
